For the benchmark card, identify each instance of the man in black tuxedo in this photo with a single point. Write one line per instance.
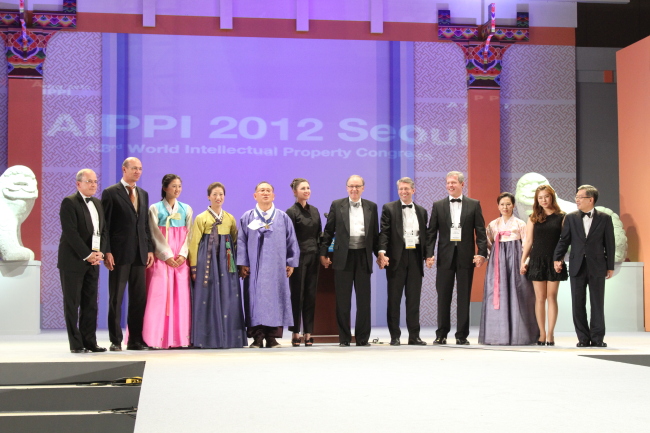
(457, 219)
(590, 234)
(83, 238)
(128, 253)
(352, 223)
(402, 243)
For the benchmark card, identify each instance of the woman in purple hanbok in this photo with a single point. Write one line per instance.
(167, 314)
(508, 316)
(217, 315)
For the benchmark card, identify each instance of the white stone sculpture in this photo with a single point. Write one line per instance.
(525, 197)
(19, 192)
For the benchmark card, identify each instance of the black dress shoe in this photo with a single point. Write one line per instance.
(272, 343)
(79, 350)
(440, 340)
(363, 344)
(137, 346)
(344, 344)
(96, 348)
(600, 344)
(417, 342)
(583, 344)
(115, 348)
(540, 343)
(462, 341)
(395, 342)
(257, 343)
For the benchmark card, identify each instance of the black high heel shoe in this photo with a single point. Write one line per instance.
(550, 343)
(540, 343)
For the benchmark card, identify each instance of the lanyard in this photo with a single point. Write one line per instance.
(267, 222)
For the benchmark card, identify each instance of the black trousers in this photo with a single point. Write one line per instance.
(595, 330)
(356, 273)
(264, 331)
(445, 287)
(118, 278)
(303, 284)
(400, 276)
(80, 305)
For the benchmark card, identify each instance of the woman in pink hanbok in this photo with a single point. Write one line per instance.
(167, 317)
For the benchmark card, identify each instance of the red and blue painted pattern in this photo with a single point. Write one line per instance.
(483, 58)
(26, 45)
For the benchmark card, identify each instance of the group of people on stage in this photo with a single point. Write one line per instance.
(183, 274)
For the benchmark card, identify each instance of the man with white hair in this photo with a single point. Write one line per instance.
(83, 238)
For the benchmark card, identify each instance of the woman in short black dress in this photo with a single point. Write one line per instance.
(542, 234)
(304, 280)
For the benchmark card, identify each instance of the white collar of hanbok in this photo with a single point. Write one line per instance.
(267, 213)
(171, 209)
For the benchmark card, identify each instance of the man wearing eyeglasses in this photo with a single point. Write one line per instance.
(402, 243)
(353, 224)
(590, 234)
(83, 238)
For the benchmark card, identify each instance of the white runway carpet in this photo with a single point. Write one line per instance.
(380, 388)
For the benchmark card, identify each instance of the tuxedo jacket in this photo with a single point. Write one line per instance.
(598, 248)
(472, 233)
(391, 234)
(338, 228)
(77, 233)
(128, 231)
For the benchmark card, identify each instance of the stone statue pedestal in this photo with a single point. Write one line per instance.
(20, 297)
(623, 301)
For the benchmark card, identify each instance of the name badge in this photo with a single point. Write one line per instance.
(409, 241)
(455, 234)
(96, 242)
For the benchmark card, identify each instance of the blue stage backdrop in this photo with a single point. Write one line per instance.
(243, 110)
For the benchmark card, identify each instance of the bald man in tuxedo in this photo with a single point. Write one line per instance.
(83, 238)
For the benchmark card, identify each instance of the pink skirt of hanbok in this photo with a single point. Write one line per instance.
(167, 317)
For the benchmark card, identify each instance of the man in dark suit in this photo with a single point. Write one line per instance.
(83, 237)
(590, 234)
(128, 253)
(454, 223)
(402, 241)
(354, 223)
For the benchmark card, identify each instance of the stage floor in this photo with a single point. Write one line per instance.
(381, 388)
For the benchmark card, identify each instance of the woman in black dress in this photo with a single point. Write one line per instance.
(304, 280)
(542, 234)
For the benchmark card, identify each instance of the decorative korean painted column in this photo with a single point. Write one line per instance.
(25, 52)
(483, 65)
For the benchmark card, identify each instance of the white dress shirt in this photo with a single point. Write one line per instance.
(410, 221)
(357, 227)
(586, 221)
(94, 216)
(135, 192)
(455, 209)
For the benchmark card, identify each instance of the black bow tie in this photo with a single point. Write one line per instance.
(355, 204)
(407, 205)
(455, 200)
(585, 214)
(87, 199)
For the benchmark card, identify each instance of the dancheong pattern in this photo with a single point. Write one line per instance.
(538, 126)
(71, 137)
